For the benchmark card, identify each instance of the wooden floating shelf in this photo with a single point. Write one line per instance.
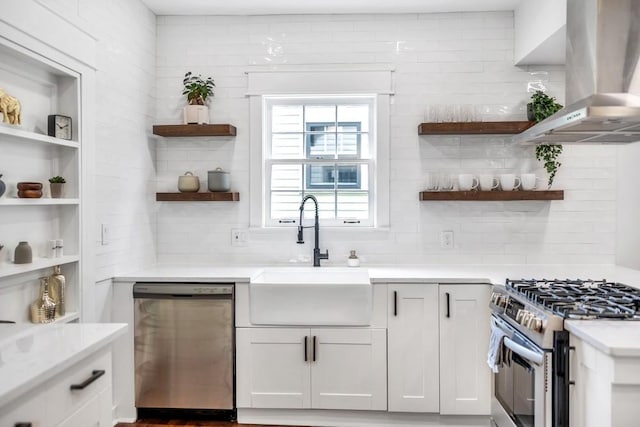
(197, 197)
(194, 130)
(495, 196)
(473, 128)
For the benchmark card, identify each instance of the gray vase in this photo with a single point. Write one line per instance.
(23, 254)
(3, 187)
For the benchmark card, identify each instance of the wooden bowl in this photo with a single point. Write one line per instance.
(22, 186)
(30, 194)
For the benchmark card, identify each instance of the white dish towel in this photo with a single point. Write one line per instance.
(495, 348)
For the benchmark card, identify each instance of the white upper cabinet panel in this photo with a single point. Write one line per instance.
(540, 32)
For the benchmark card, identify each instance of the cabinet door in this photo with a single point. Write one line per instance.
(465, 378)
(349, 371)
(95, 413)
(271, 371)
(413, 348)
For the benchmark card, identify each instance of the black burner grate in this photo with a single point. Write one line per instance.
(581, 299)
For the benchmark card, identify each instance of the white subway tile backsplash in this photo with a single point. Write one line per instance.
(452, 58)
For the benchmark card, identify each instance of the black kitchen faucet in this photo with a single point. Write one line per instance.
(317, 256)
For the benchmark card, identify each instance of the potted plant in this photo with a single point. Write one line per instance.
(541, 107)
(197, 90)
(57, 186)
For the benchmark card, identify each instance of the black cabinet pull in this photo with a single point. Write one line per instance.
(448, 304)
(23, 425)
(306, 348)
(314, 348)
(395, 303)
(94, 376)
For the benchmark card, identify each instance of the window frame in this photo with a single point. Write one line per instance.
(269, 161)
(311, 80)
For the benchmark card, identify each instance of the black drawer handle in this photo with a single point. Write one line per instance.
(315, 343)
(23, 425)
(448, 304)
(306, 349)
(395, 303)
(94, 376)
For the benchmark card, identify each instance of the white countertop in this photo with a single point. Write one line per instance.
(613, 337)
(31, 354)
(490, 273)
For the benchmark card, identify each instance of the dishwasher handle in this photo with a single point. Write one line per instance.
(183, 290)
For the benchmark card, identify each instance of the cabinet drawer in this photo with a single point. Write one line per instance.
(68, 401)
(53, 401)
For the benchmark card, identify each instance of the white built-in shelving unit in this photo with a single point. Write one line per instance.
(27, 154)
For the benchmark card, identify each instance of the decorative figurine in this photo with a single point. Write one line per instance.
(10, 107)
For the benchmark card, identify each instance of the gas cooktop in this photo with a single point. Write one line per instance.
(580, 299)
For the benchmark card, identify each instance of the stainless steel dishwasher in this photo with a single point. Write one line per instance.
(184, 347)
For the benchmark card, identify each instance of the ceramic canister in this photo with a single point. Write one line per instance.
(219, 180)
(188, 183)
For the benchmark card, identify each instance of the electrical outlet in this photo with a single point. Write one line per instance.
(446, 239)
(104, 234)
(239, 237)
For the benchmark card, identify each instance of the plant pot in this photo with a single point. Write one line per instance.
(57, 190)
(196, 114)
(531, 116)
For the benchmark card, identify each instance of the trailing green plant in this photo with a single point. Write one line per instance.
(197, 89)
(544, 106)
(57, 180)
(548, 154)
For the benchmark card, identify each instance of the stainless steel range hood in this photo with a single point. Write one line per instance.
(602, 77)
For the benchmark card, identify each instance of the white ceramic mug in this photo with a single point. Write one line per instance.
(467, 182)
(488, 182)
(529, 181)
(509, 182)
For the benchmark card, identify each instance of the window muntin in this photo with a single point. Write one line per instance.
(321, 146)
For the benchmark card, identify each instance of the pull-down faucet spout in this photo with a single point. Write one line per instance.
(317, 255)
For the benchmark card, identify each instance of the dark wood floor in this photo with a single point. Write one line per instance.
(180, 423)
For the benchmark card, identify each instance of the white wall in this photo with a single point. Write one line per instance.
(125, 148)
(438, 59)
(628, 228)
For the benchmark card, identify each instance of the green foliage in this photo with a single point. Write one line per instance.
(197, 89)
(544, 106)
(57, 180)
(548, 154)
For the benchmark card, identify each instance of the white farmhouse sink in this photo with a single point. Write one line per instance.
(310, 296)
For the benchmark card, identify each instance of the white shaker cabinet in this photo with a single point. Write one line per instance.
(321, 368)
(413, 348)
(80, 396)
(272, 368)
(465, 380)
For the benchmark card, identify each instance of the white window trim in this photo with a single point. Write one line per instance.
(374, 82)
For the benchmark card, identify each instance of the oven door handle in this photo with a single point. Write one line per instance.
(525, 353)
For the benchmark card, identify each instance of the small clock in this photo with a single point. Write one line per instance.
(59, 126)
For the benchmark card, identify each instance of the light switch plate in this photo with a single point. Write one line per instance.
(104, 234)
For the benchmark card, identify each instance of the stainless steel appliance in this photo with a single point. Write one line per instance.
(532, 382)
(602, 77)
(184, 346)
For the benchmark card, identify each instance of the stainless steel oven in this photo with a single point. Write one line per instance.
(522, 389)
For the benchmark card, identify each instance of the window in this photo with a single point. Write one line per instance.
(322, 146)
